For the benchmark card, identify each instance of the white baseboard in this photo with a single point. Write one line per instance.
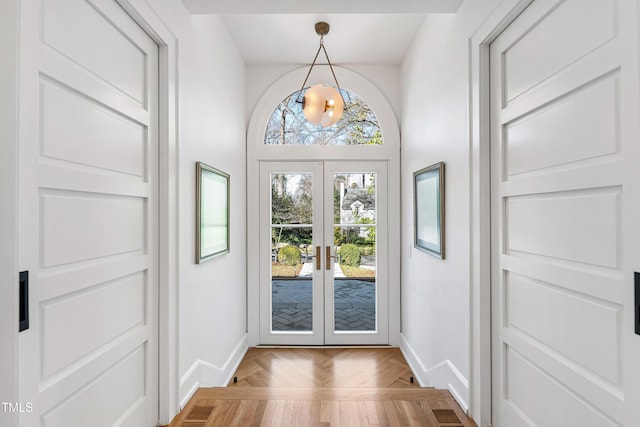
(414, 361)
(444, 375)
(204, 374)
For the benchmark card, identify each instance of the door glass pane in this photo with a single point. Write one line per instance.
(291, 252)
(355, 248)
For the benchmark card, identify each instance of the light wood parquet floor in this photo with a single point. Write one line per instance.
(322, 387)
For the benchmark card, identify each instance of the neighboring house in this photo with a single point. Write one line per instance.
(358, 204)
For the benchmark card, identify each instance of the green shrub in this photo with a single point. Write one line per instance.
(368, 250)
(289, 255)
(349, 255)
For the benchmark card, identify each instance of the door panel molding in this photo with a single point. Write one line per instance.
(53, 200)
(546, 217)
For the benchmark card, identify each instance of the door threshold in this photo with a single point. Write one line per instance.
(325, 346)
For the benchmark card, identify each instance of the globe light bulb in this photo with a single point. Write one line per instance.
(322, 105)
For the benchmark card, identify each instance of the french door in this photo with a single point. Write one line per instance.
(323, 253)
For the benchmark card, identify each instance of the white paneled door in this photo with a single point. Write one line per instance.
(565, 205)
(88, 216)
(323, 253)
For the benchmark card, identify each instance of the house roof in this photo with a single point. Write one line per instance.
(362, 195)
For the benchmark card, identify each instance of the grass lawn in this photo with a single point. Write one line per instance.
(357, 271)
(283, 270)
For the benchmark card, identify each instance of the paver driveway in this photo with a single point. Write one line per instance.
(354, 305)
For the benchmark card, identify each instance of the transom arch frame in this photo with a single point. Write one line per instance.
(350, 81)
(388, 152)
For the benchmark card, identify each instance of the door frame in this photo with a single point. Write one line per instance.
(168, 210)
(9, 32)
(382, 253)
(282, 86)
(480, 205)
(264, 241)
(323, 279)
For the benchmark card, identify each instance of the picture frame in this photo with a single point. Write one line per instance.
(212, 212)
(428, 193)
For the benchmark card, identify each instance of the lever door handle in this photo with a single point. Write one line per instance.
(318, 258)
(329, 257)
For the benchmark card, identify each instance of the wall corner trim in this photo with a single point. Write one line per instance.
(443, 375)
(205, 374)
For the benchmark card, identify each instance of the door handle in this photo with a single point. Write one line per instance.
(636, 279)
(329, 256)
(318, 258)
(24, 301)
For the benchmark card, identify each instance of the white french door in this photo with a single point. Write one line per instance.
(323, 253)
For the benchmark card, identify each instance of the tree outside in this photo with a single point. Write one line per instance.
(358, 125)
(291, 194)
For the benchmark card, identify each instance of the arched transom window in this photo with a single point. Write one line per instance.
(358, 125)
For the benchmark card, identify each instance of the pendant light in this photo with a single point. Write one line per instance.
(322, 104)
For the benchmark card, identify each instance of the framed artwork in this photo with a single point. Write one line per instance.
(428, 193)
(212, 212)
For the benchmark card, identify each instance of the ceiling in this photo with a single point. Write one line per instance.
(362, 31)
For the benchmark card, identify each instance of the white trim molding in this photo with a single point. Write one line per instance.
(9, 34)
(480, 184)
(443, 375)
(154, 26)
(205, 374)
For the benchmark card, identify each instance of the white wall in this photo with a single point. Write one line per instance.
(435, 127)
(8, 194)
(211, 126)
(212, 294)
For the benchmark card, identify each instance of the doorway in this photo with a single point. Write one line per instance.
(323, 253)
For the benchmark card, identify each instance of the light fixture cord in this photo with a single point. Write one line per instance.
(310, 68)
(330, 67)
(329, 61)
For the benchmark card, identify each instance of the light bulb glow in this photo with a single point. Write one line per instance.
(322, 105)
